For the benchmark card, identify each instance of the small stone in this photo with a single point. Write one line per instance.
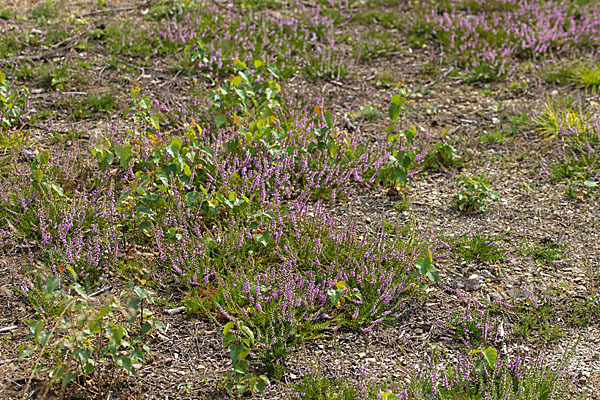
(495, 296)
(472, 285)
(5, 291)
(371, 360)
(293, 376)
(362, 355)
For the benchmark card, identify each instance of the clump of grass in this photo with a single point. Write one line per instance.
(478, 248)
(387, 78)
(374, 44)
(93, 104)
(369, 112)
(6, 13)
(587, 76)
(577, 130)
(546, 252)
(494, 136)
(561, 112)
(46, 10)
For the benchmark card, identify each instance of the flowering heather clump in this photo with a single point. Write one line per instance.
(208, 39)
(488, 36)
(489, 376)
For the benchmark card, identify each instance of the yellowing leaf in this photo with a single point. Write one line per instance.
(258, 63)
(239, 63)
(318, 110)
(341, 284)
(237, 80)
(237, 119)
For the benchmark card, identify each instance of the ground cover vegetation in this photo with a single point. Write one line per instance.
(307, 200)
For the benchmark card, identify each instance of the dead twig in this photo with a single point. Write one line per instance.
(8, 328)
(99, 291)
(176, 310)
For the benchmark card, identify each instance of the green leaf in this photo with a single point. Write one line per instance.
(37, 175)
(328, 119)
(240, 390)
(491, 356)
(241, 367)
(228, 338)
(234, 352)
(261, 387)
(248, 332)
(137, 355)
(26, 353)
(43, 157)
(273, 70)
(227, 327)
(146, 210)
(51, 285)
(263, 238)
(125, 362)
(220, 120)
(125, 155)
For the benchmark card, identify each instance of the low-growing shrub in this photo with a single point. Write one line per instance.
(86, 337)
(475, 193)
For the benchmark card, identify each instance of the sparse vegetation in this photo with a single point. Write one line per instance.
(274, 199)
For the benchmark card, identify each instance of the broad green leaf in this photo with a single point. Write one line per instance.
(237, 80)
(263, 238)
(248, 332)
(51, 285)
(43, 157)
(241, 367)
(234, 352)
(37, 175)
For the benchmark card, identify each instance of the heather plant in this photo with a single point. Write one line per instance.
(473, 326)
(492, 37)
(369, 112)
(486, 374)
(474, 194)
(207, 39)
(321, 283)
(86, 338)
(374, 44)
